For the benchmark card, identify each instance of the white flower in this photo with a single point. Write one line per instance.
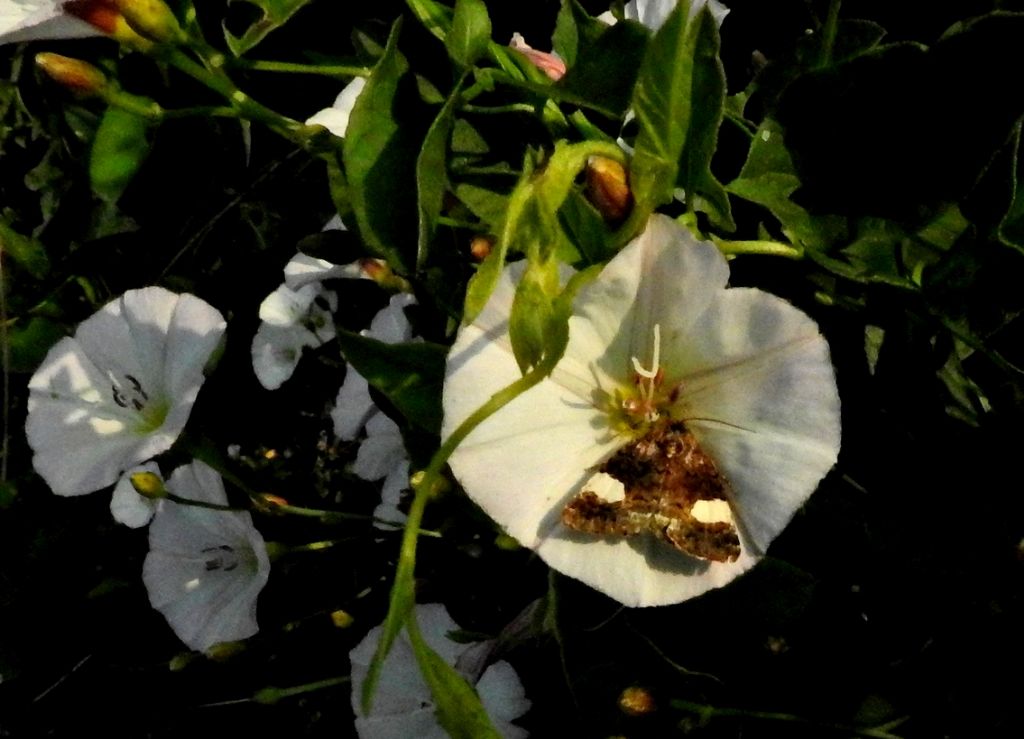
(403, 706)
(121, 390)
(382, 453)
(335, 118)
(292, 319)
(655, 338)
(32, 20)
(652, 13)
(126, 505)
(205, 568)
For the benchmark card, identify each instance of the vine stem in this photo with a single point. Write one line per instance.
(342, 71)
(767, 248)
(706, 713)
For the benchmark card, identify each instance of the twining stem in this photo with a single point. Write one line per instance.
(271, 695)
(341, 71)
(767, 248)
(706, 713)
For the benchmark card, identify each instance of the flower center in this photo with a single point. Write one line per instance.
(225, 558)
(637, 405)
(130, 394)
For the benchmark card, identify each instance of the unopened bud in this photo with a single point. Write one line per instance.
(105, 16)
(225, 650)
(440, 485)
(269, 503)
(80, 77)
(152, 19)
(342, 619)
(480, 247)
(608, 188)
(507, 543)
(637, 701)
(148, 485)
(550, 64)
(380, 272)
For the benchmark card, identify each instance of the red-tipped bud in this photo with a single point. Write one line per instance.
(549, 64)
(608, 188)
(480, 247)
(80, 77)
(152, 19)
(105, 16)
(269, 503)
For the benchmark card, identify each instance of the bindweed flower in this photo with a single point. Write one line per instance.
(33, 20)
(291, 321)
(335, 118)
(403, 705)
(205, 568)
(547, 62)
(120, 391)
(382, 453)
(671, 387)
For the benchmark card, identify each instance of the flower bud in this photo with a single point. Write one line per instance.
(152, 19)
(636, 701)
(608, 188)
(80, 77)
(148, 485)
(480, 247)
(549, 64)
(342, 619)
(105, 16)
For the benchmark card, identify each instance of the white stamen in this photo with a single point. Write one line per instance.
(647, 388)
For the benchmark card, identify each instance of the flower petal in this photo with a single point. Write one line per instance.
(287, 307)
(33, 20)
(381, 448)
(276, 351)
(503, 697)
(305, 270)
(763, 402)
(390, 325)
(353, 405)
(335, 118)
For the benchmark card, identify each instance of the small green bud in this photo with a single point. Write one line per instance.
(149, 485)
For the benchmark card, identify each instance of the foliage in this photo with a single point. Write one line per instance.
(862, 161)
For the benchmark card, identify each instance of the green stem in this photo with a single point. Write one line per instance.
(828, 33)
(201, 503)
(741, 123)
(271, 695)
(706, 713)
(767, 248)
(342, 71)
(587, 129)
(495, 109)
(456, 223)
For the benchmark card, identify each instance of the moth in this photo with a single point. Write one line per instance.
(673, 489)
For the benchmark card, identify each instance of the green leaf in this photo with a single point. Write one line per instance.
(274, 14)
(432, 174)
(487, 203)
(29, 253)
(457, 706)
(410, 375)
(679, 101)
(575, 29)
(1011, 228)
(119, 149)
(768, 178)
(470, 33)
(607, 68)
(29, 341)
(435, 17)
(383, 140)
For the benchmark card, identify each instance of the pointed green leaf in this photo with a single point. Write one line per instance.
(435, 17)
(29, 253)
(1011, 229)
(273, 15)
(383, 139)
(432, 174)
(410, 375)
(575, 30)
(470, 33)
(457, 706)
(679, 101)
